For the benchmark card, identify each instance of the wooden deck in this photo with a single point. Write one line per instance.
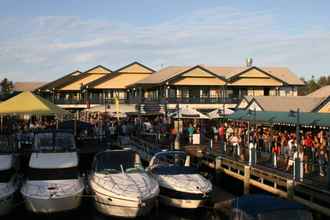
(309, 192)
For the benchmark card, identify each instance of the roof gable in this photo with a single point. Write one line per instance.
(254, 72)
(99, 69)
(135, 67)
(61, 81)
(195, 71)
(132, 68)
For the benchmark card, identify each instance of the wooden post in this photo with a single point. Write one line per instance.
(290, 188)
(1, 124)
(217, 166)
(247, 172)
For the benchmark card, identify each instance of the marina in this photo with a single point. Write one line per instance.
(118, 161)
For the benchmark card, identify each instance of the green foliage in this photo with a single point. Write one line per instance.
(6, 87)
(312, 84)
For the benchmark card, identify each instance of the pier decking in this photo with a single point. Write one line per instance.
(311, 193)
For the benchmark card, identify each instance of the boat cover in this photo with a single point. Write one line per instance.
(265, 206)
(173, 170)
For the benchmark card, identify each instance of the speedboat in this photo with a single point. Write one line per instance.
(120, 185)
(180, 184)
(53, 183)
(9, 183)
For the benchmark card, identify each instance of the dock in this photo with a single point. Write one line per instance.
(310, 193)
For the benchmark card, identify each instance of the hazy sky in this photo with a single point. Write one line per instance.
(43, 40)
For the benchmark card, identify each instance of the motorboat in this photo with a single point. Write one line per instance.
(53, 183)
(180, 184)
(9, 183)
(120, 185)
(263, 207)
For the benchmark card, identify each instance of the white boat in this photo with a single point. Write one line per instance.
(120, 185)
(180, 185)
(53, 182)
(9, 183)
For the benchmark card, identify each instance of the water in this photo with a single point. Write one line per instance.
(88, 212)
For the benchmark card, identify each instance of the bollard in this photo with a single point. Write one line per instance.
(250, 154)
(298, 169)
(238, 150)
(211, 145)
(274, 160)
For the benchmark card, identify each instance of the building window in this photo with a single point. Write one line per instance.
(266, 91)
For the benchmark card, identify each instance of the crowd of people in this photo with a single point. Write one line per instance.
(279, 142)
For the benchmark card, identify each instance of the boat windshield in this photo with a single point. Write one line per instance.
(115, 161)
(6, 144)
(53, 174)
(171, 158)
(5, 175)
(58, 141)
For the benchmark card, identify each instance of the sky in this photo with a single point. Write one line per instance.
(43, 40)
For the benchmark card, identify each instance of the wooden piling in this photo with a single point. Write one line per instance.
(247, 172)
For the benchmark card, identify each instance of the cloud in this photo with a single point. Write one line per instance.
(45, 48)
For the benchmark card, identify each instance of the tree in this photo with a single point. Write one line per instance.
(6, 88)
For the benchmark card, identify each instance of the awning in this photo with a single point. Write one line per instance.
(305, 118)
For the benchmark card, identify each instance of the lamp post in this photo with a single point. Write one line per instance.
(177, 138)
(298, 163)
(251, 143)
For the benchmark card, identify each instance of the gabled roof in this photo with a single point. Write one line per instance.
(71, 77)
(321, 92)
(164, 74)
(27, 86)
(225, 72)
(135, 63)
(116, 73)
(287, 103)
(61, 81)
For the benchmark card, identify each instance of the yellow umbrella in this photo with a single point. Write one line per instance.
(28, 103)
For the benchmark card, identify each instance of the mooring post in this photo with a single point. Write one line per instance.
(247, 172)
(217, 167)
(290, 188)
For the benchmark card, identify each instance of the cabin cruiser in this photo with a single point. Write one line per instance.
(9, 183)
(180, 184)
(120, 185)
(53, 183)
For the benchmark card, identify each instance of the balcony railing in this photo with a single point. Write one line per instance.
(194, 100)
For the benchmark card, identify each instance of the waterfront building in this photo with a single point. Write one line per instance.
(70, 91)
(212, 87)
(199, 87)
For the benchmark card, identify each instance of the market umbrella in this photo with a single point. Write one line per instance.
(30, 104)
(218, 113)
(188, 113)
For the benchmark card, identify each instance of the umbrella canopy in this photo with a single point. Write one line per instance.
(28, 103)
(218, 113)
(123, 109)
(188, 113)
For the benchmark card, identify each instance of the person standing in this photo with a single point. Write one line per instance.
(190, 133)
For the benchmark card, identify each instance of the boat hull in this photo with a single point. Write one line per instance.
(112, 206)
(53, 205)
(181, 203)
(180, 199)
